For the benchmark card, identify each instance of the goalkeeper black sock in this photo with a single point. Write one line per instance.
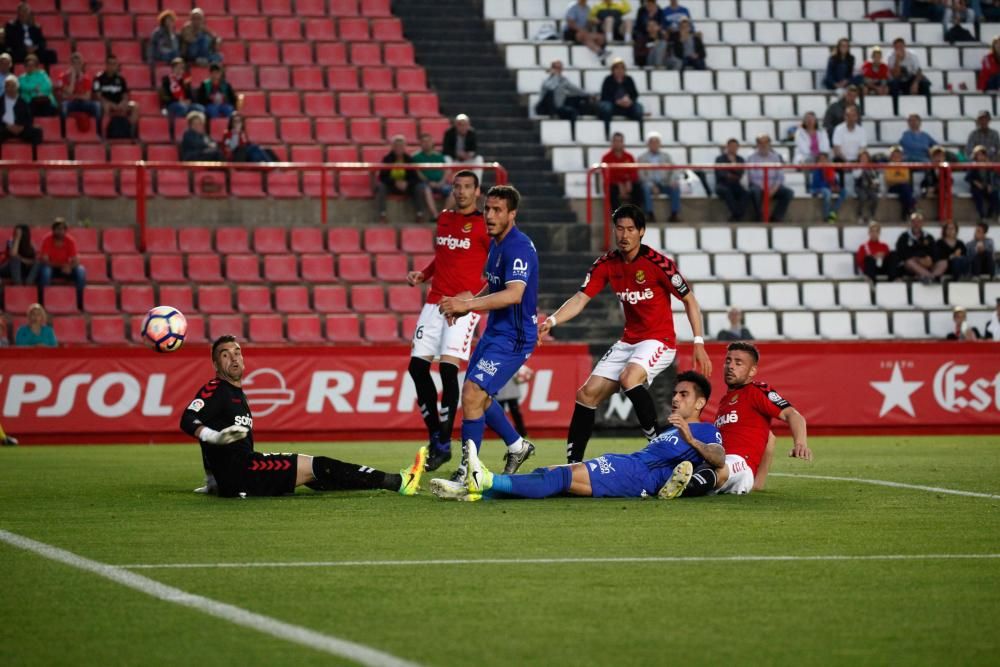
(702, 481)
(420, 371)
(645, 409)
(334, 475)
(580, 429)
(449, 399)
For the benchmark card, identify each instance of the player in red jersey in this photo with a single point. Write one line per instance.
(643, 280)
(461, 246)
(744, 419)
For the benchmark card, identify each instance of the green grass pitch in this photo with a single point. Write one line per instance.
(133, 505)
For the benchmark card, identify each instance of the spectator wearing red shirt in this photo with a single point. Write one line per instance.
(623, 184)
(75, 91)
(875, 74)
(58, 259)
(874, 257)
(989, 73)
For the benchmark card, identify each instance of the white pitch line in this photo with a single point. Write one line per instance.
(896, 485)
(558, 561)
(342, 648)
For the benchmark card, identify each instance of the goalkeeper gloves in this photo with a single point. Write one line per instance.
(224, 437)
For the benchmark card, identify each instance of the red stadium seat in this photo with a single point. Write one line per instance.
(381, 328)
(354, 104)
(389, 105)
(356, 185)
(161, 240)
(376, 8)
(100, 300)
(304, 329)
(296, 130)
(307, 239)
(274, 8)
(128, 268)
(318, 29)
(180, 297)
(284, 104)
(263, 52)
(90, 152)
(254, 105)
(253, 299)
(332, 53)
(138, 76)
(286, 29)
(52, 151)
(266, 329)
(410, 324)
(215, 299)
(17, 151)
(117, 26)
(247, 184)
(262, 130)
(96, 267)
(17, 298)
(367, 131)
(118, 239)
(319, 104)
(365, 53)
(411, 79)
(291, 299)
(308, 77)
(355, 268)
(244, 7)
(129, 50)
(331, 131)
(62, 183)
(93, 51)
(342, 78)
(222, 325)
(243, 268)
(136, 298)
(270, 240)
(196, 329)
(75, 7)
(70, 330)
(21, 183)
(156, 130)
(194, 239)
(343, 328)
(391, 267)
(162, 153)
(86, 239)
(387, 30)
(343, 239)
(436, 127)
(298, 53)
(252, 27)
(310, 8)
(50, 127)
(405, 299)
(318, 268)
(372, 153)
(344, 7)
(274, 78)
(284, 185)
(330, 299)
(281, 268)
(99, 183)
(377, 79)
(232, 240)
(368, 299)
(166, 268)
(416, 239)
(353, 30)
(404, 126)
(420, 262)
(341, 154)
(399, 54)
(204, 268)
(173, 184)
(234, 53)
(242, 77)
(423, 105)
(107, 330)
(380, 239)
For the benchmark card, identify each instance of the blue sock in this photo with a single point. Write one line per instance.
(472, 429)
(540, 484)
(497, 420)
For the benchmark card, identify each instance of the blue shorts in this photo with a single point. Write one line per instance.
(620, 476)
(493, 364)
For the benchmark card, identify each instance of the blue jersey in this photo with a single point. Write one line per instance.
(669, 449)
(514, 260)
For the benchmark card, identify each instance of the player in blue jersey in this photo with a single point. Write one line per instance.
(511, 296)
(663, 468)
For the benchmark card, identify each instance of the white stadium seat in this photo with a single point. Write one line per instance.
(664, 127)
(786, 10)
(711, 296)
(589, 132)
(965, 295)
(730, 265)
(722, 130)
(567, 159)
(818, 295)
(783, 296)
(763, 326)
(910, 104)
(716, 323)
(755, 10)
(716, 239)
(769, 32)
(682, 327)
(693, 131)
(722, 9)
(766, 266)
(694, 266)
(854, 295)
(549, 52)
(747, 296)
(872, 325)
(802, 265)
(777, 106)
(891, 295)
(823, 239)
(680, 239)
(799, 326)
(803, 32)
(729, 80)
(879, 106)
(831, 31)
(678, 106)
(780, 57)
(865, 32)
(927, 296)
(629, 128)
(752, 238)
(498, 9)
(522, 56)
(712, 106)
(894, 30)
(531, 9)
(698, 81)
(556, 132)
(721, 58)
(940, 323)
(665, 81)
(909, 324)
(835, 325)
(838, 265)
(814, 57)
(786, 239)
(507, 30)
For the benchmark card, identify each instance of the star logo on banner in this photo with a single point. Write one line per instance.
(896, 393)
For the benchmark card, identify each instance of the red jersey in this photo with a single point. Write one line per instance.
(461, 246)
(744, 419)
(621, 175)
(869, 248)
(870, 71)
(58, 255)
(644, 286)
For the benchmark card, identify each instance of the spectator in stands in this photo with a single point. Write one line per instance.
(915, 249)
(929, 186)
(649, 24)
(402, 181)
(867, 188)
(612, 17)
(836, 112)
(932, 10)
(237, 147)
(37, 331)
(916, 143)
(897, 181)
(873, 257)
(111, 90)
(728, 182)
(196, 145)
(667, 182)
(685, 48)
(825, 184)
(905, 75)
(736, 330)
(984, 184)
(989, 71)
(75, 90)
(17, 261)
(950, 254)
(24, 37)
(436, 179)
(36, 89)
(875, 74)
(4, 339)
(983, 136)
(176, 97)
(624, 185)
(198, 43)
(983, 254)
(459, 141)
(955, 15)
(164, 43)
(990, 10)
(619, 96)
(777, 191)
(840, 67)
(57, 258)
(655, 50)
(216, 95)
(578, 27)
(561, 97)
(6, 65)
(16, 115)
(849, 138)
(673, 13)
(962, 330)
(810, 141)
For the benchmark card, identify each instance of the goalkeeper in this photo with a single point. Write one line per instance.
(219, 418)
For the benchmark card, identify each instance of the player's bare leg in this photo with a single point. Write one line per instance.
(595, 390)
(760, 479)
(633, 383)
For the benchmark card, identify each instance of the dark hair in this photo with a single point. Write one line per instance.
(59, 221)
(468, 173)
(701, 383)
(215, 67)
(24, 247)
(618, 134)
(743, 346)
(984, 225)
(508, 193)
(630, 211)
(898, 40)
(220, 341)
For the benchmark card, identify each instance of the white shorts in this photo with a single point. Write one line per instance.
(653, 355)
(434, 338)
(740, 480)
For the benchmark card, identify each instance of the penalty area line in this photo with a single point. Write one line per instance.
(895, 485)
(557, 561)
(359, 653)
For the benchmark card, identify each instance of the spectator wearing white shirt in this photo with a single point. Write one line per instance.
(810, 140)
(905, 75)
(849, 139)
(777, 190)
(662, 180)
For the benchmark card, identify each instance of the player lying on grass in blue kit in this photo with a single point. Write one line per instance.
(662, 468)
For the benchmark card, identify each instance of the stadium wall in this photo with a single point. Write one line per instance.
(129, 394)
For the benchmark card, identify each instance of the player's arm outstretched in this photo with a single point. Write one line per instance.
(701, 361)
(572, 307)
(713, 453)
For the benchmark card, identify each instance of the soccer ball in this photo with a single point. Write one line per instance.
(164, 329)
